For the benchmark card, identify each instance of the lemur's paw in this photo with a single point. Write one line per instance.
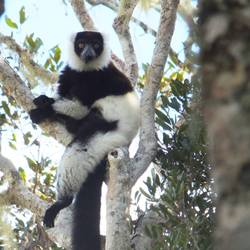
(43, 101)
(49, 217)
(38, 115)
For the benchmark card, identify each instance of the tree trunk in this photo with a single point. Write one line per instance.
(225, 53)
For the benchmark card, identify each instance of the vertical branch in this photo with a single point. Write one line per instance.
(118, 201)
(148, 144)
(82, 14)
(226, 92)
(121, 26)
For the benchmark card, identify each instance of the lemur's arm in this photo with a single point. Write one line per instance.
(48, 108)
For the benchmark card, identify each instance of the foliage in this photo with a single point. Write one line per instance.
(179, 190)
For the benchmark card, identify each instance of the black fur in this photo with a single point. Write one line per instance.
(89, 86)
(92, 123)
(43, 101)
(86, 86)
(88, 45)
(53, 210)
(86, 233)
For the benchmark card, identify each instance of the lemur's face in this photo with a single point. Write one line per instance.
(88, 45)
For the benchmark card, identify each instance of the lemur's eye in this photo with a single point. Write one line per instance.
(80, 44)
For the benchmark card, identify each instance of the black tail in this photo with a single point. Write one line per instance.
(86, 232)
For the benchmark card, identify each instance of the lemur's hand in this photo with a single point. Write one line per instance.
(43, 101)
(39, 115)
(44, 109)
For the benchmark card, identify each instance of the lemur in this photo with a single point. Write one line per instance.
(100, 109)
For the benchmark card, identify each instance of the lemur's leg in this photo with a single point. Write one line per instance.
(84, 128)
(76, 165)
(54, 209)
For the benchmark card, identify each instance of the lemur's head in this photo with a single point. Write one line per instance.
(88, 51)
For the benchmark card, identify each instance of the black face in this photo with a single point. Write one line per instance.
(88, 45)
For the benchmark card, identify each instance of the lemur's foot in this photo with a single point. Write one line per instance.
(50, 216)
(43, 101)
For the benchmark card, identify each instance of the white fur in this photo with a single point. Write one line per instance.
(77, 163)
(99, 63)
(63, 134)
(72, 108)
(124, 108)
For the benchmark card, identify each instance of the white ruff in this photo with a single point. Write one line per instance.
(97, 64)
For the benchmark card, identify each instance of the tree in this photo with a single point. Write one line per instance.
(225, 71)
(182, 158)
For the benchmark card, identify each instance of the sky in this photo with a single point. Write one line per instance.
(53, 21)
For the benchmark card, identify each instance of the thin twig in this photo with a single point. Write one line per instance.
(121, 26)
(82, 14)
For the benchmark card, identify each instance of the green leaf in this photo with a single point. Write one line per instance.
(57, 54)
(48, 179)
(34, 44)
(38, 43)
(11, 23)
(31, 41)
(12, 145)
(2, 119)
(162, 116)
(47, 63)
(164, 125)
(22, 174)
(145, 194)
(27, 137)
(32, 164)
(6, 108)
(52, 68)
(175, 104)
(14, 137)
(22, 16)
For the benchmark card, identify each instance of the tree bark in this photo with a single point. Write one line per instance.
(225, 35)
(148, 144)
(118, 202)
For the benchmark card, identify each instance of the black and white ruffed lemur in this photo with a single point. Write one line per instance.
(98, 106)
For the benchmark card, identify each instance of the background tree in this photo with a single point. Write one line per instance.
(225, 71)
(179, 208)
